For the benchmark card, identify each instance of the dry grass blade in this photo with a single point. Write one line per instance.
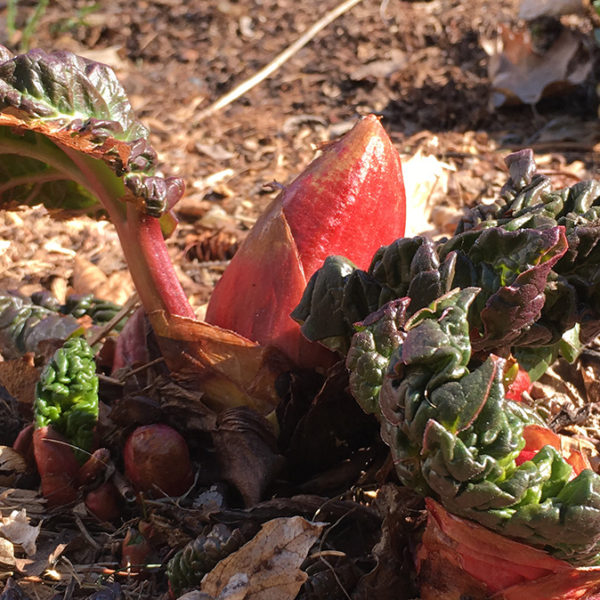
(279, 60)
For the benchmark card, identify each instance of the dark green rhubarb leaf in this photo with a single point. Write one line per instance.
(23, 325)
(56, 105)
(455, 436)
(512, 268)
(372, 347)
(336, 296)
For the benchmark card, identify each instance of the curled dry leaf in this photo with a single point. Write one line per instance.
(7, 553)
(19, 376)
(90, 279)
(520, 75)
(87, 277)
(12, 464)
(16, 529)
(268, 566)
(422, 176)
(230, 369)
(247, 451)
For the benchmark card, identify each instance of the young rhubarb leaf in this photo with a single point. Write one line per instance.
(66, 395)
(368, 359)
(455, 436)
(348, 201)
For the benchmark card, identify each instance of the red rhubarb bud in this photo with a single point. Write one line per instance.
(520, 384)
(57, 466)
(94, 467)
(349, 201)
(157, 461)
(135, 549)
(104, 501)
(536, 437)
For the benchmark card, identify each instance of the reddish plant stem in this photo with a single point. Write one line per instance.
(150, 265)
(142, 241)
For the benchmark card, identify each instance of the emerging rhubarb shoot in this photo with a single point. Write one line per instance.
(348, 201)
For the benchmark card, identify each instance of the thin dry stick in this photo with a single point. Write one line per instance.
(241, 89)
(127, 308)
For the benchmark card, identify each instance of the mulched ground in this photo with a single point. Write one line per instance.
(420, 65)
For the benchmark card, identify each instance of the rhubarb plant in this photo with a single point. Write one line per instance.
(69, 140)
(424, 329)
(454, 436)
(66, 395)
(65, 413)
(532, 254)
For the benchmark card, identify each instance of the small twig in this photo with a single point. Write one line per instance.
(143, 367)
(110, 380)
(127, 308)
(212, 264)
(323, 553)
(279, 60)
(320, 554)
(85, 532)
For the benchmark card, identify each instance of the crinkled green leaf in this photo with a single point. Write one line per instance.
(23, 325)
(66, 395)
(372, 347)
(56, 105)
(453, 435)
(336, 296)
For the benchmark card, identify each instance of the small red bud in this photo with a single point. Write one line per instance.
(157, 461)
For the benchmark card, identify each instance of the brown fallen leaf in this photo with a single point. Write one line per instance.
(422, 175)
(7, 553)
(86, 276)
(268, 566)
(247, 451)
(16, 529)
(12, 464)
(521, 75)
(89, 279)
(19, 376)
(30, 500)
(227, 368)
